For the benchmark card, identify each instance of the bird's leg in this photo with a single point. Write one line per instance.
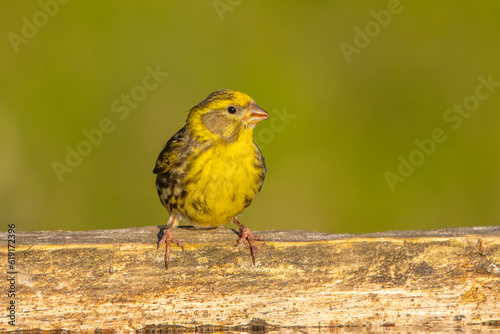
(168, 237)
(246, 234)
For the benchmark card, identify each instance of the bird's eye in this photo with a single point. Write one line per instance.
(231, 109)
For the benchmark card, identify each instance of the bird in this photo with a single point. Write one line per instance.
(211, 169)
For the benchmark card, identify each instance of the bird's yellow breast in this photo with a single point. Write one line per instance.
(222, 181)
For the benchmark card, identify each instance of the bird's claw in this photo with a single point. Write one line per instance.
(167, 239)
(246, 234)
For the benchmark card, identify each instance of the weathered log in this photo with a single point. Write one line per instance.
(115, 279)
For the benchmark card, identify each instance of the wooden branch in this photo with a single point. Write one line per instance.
(115, 279)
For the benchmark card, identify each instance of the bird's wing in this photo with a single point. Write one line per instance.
(171, 151)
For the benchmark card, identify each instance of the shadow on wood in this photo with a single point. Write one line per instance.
(115, 279)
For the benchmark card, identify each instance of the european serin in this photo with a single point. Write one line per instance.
(211, 169)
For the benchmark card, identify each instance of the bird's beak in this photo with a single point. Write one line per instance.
(256, 114)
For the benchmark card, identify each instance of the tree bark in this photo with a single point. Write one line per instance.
(116, 279)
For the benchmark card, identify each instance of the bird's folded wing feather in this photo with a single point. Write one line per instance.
(170, 152)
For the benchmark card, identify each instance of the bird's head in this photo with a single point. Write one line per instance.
(225, 114)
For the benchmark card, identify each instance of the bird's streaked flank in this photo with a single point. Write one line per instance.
(211, 169)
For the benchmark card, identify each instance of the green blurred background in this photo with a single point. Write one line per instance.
(347, 124)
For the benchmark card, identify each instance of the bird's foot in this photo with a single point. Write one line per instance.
(168, 237)
(246, 234)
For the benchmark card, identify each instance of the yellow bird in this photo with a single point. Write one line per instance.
(211, 169)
